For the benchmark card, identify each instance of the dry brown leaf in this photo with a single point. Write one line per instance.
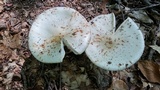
(103, 6)
(21, 62)
(2, 24)
(1, 8)
(1, 1)
(12, 41)
(5, 68)
(150, 70)
(118, 85)
(1, 79)
(5, 52)
(8, 66)
(8, 79)
(14, 55)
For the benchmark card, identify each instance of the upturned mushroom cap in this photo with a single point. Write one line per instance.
(114, 50)
(55, 27)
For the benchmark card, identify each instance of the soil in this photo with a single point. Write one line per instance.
(19, 70)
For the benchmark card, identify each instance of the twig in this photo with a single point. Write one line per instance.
(55, 85)
(46, 82)
(24, 79)
(122, 11)
(147, 7)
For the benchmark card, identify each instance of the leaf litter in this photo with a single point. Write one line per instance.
(155, 47)
(150, 70)
(19, 70)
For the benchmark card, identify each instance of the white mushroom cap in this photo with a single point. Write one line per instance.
(114, 50)
(55, 27)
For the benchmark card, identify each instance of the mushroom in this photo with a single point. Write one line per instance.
(114, 50)
(55, 28)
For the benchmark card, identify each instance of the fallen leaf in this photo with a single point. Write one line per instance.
(103, 6)
(25, 24)
(9, 66)
(1, 80)
(141, 15)
(5, 52)
(1, 2)
(155, 47)
(118, 85)
(150, 70)
(12, 41)
(13, 21)
(8, 79)
(21, 62)
(14, 55)
(155, 87)
(1, 8)
(2, 24)
(5, 68)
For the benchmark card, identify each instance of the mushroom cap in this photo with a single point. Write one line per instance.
(55, 27)
(114, 50)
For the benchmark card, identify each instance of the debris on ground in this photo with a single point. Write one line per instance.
(19, 70)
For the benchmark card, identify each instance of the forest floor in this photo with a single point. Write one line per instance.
(19, 70)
